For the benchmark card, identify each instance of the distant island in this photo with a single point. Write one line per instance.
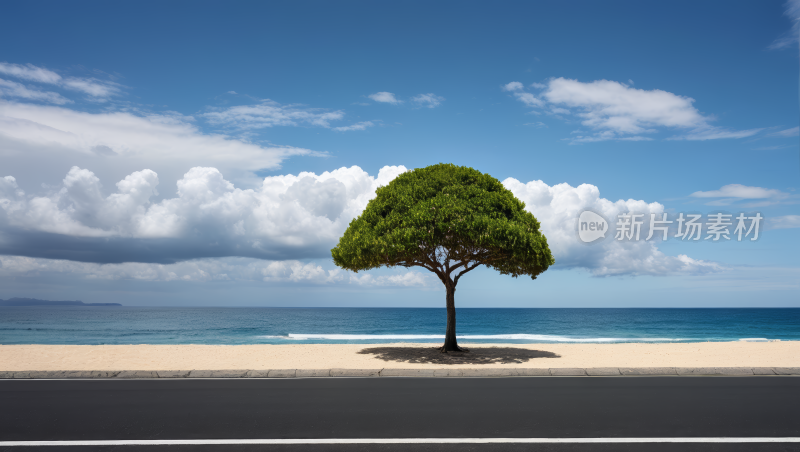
(35, 302)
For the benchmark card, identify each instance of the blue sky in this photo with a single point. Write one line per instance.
(153, 153)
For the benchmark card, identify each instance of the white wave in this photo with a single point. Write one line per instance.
(753, 339)
(512, 337)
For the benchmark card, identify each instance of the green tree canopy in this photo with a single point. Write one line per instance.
(448, 219)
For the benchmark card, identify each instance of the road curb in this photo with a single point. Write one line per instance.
(404, 373)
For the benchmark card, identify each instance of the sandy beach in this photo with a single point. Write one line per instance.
(346, 356)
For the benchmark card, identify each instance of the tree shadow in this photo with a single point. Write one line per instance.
(432, 355)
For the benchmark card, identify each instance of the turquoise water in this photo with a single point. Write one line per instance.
(148, 325)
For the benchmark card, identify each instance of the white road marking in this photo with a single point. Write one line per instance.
(203, 442)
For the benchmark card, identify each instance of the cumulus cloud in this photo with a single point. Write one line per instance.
(384, 97)
(617, 111)
(428, 100)
(558, 207)
(357, 126)
(269, 113)
(97, 89)
(204, 270)
(407, 279)
(287, 217)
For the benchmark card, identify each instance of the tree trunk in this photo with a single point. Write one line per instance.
(450, 343)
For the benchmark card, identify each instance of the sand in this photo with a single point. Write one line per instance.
(305, 356)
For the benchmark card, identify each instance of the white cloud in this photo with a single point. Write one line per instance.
(30, 72)
(734, 193)
(791, 37)
(793, 132)
(740, 191)
(98, 90)
(300, 216)
(616, 111)
(287, 218)
(357, 126)
(615, 106)
(18, 90)
(407, 279)
(9, 188)
(114, 144)
(713, 133)
(558, 207)
(784, 222)
(385, 97)
(429, 100)
(513, 86)
(204, 270)
(269, 113)
(529, 99)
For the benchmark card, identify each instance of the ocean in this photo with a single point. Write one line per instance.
(165, 325)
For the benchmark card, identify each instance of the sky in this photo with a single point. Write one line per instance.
(212, 153)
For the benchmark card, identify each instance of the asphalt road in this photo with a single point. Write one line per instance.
(404, 408)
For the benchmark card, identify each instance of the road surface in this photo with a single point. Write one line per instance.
(380, 408)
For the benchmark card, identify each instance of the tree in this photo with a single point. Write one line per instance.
(450, 220)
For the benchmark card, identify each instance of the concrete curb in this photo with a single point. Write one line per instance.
(650, 371)
(568, 372)
(282, 373)
(408, 373)
(307, 373)
(132, 374)
(356, 372)
(603, 372)
(257, 374)
(214, 374)
(371, 373)
(173, 373)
